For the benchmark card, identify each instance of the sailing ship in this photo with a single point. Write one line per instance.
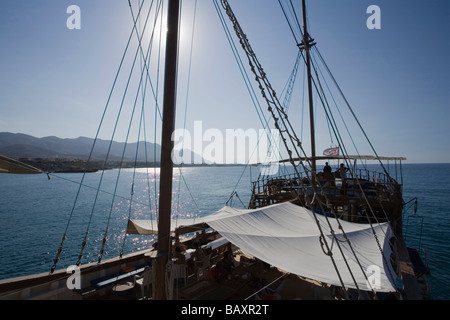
(305, 235)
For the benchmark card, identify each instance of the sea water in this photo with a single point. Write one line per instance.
(37, 210)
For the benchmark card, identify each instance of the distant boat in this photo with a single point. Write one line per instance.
(305, 234)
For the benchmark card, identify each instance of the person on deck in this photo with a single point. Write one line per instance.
(203, 237)
(343, 172)
(228, 261)
(179, 256)
(178, 244)
(197, 239)
(327, 168)
(196, 258)
(198, 254)
(217, 272)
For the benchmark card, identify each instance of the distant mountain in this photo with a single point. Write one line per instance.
(19, 145)
(25, 146)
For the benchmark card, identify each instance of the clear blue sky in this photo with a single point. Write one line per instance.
(55, 81)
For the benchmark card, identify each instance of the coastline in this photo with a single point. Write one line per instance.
(79, 165)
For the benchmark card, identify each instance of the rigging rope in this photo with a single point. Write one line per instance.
(185, 119)
(267, 90)
(253, 96)
(109, 150)
(362, 193)
(270, 95)
(156, 111)
(322, 96)
(247, 81)
(64, 237)
(145, 57)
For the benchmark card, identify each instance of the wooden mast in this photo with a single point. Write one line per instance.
(306, 44)
(168, 127)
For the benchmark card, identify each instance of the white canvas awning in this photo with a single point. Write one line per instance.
(287, 236)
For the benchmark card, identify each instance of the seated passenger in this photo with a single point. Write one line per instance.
(228, 261)
(198, 254)
(217, 272)
(203, 237)
(197, 239)
(179, 256)
(178, 244)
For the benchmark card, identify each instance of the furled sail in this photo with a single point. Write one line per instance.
(8, 165)
(286, 235)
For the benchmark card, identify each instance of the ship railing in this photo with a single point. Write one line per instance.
(371, 182)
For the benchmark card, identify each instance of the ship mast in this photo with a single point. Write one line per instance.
(168, 127)
(306, 44)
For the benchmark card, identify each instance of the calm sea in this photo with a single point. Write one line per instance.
(36, 211)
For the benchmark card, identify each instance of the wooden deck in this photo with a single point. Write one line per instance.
(411, 288)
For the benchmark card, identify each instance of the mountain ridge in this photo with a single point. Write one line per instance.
(20, 145)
